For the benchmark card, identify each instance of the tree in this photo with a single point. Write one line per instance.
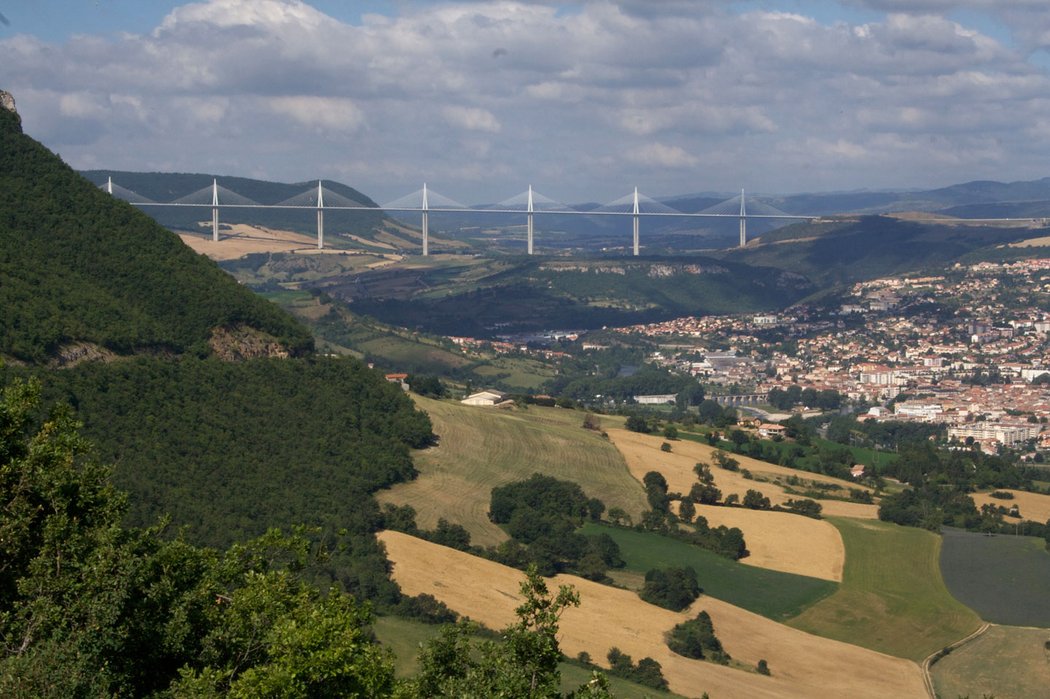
(90, 608)
(755, 500)
(705, 494)
(671, 432)
(724, 460)
(656, 490)
(686, 510)
(696, 639)
(637, 423)
(523, 664)
(671, 588)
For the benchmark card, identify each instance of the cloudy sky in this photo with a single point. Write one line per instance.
(584, 100)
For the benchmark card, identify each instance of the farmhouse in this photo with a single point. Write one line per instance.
(398, 379)
(485, 398)
(770, 429)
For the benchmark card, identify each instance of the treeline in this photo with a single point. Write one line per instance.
(941, 483)
(78, 265)
(228, 450)
(90, 607)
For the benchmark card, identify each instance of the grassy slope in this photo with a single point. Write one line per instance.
(481, 448)
(892, 597)
(1006, 662)
(772, 594)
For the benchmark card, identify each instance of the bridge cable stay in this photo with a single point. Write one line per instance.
(529, 202)
(423, 200)
(124, 193)
(636, 204)
(744, 209)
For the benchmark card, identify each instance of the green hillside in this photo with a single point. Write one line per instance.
(78, 266)
(845, 251)
(525, 294)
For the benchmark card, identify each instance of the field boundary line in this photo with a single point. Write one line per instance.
(927, 678)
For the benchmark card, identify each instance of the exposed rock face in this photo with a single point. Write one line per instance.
(79, 352)
(242, 342)
(7, 101)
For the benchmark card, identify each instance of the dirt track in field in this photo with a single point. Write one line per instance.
(802, 665)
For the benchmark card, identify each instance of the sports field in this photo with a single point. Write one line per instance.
(802, 665)
(1007, 662)
(481, 448)
(892, 598)
(1004, 578)
(772, 594)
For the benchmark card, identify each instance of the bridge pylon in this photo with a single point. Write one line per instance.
(426, 222)
(635, 222)
(320, 216)
(215, 210)
(529, 227)
(743, 221)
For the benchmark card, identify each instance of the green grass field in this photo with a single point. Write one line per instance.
(481, 448)
(778, 596)
(1002, 577)
(1007, 662)
(405, 637)
(892, 598)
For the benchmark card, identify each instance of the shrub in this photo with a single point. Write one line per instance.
(763, 667)
(665, 446)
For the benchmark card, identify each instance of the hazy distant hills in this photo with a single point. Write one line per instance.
(1026, 198)
(835, 252)
(504, 232)
(528, 294)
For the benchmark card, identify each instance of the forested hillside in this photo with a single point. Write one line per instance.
(79, 266)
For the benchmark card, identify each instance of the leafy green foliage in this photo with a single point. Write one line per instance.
(89, 608)
(523, 664)
(637, 423)
(542, 515)
(647, 672)
(231, 449)
(79, 266)
(696, 639)
(671, 588)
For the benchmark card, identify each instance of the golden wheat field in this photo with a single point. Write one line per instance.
(1033, 506)
(783, 541)
(802, 665)
(642, 453)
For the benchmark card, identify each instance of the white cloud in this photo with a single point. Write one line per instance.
(471, 119)
(335, 113)
(690, 95)
(661, 155)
